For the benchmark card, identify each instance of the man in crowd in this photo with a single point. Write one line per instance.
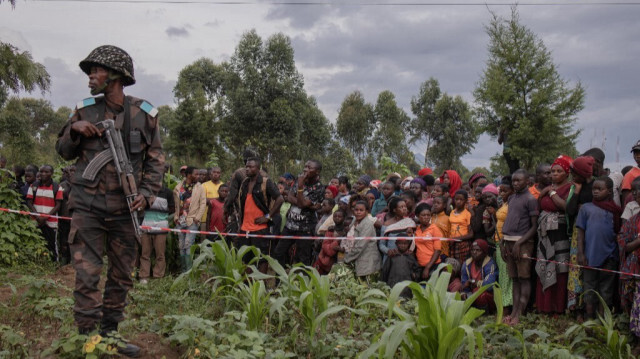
(543, 179)
(259, 201)
(45, 196)
(211, 192)
(100, 209)
(306, 198)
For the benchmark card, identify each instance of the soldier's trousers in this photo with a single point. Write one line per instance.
(90, 237)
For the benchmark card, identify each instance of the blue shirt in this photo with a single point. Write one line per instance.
(599, 237)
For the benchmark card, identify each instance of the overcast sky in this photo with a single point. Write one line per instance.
(342, 48)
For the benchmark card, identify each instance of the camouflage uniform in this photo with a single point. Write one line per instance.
(99, 206)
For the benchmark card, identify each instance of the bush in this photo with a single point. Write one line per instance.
(20, 238)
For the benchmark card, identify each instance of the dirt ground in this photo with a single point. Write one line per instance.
(43, 333)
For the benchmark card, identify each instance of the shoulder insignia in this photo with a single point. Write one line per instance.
(148, 108)
(86, 102)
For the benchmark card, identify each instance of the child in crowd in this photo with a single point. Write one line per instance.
(380, 204)
(217, 220)
(597, 224)
(442, 190)
(280, 220)
(324, 212)
(629, 243)
(363, 253)
(460, 227)
(331, 247)
(401, 267)
(455, 284)
(410, 199)
(478, 271)
(428, 248)
(440, 218)
(632, 208)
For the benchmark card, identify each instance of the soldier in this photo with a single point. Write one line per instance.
(99, 206)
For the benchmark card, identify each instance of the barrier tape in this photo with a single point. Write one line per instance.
(246, 235)
(273, 236)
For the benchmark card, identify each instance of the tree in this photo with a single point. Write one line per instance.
(390, 135)
(425, 127)
(444, 123)
(522, 100)
(29, 128)
(18, 72)
(355, 124)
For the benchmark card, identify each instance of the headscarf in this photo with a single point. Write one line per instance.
(425, 171)
(491, 188)
(484, 246)
(583, 166)
(375, 183)
(366, 179)
(345, 199)
(563, 161)
(476, 177)
(375, 192)
(406, 182)
(455, 183)
(419, 181)
(334, 190)
(289, 176)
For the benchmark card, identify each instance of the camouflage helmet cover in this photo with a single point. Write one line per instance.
(113, 58)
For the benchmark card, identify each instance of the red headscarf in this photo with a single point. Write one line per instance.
(583, 166)
(334, 190)
(484, 246)
(425, 171)
(455, 182)
(563, 161)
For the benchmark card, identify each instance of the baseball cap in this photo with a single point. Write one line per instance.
(636, 147)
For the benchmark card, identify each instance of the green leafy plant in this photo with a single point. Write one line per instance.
(13, 344)
(258, 304)
(20, 238)
(441, 328)
(91, 346)
(599, 337)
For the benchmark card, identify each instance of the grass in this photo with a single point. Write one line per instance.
(310, 316)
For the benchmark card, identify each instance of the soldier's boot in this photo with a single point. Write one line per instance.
(109, 329)
(86, 330)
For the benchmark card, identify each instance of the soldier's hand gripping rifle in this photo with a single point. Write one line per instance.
(118, 154)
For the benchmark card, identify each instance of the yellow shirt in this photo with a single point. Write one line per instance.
(211, 191)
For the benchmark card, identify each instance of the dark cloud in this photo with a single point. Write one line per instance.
(177, 31)
(397, 48)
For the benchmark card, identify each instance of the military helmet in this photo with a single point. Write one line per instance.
(113, 58)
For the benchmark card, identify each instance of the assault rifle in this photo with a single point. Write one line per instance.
(118, 154)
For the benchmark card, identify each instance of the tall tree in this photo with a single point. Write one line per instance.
(444, 123)
(390, 135)
(522, 100)
(18, 72)
(355, 124)
(425, 127)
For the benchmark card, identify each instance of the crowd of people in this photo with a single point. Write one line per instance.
(543, 236)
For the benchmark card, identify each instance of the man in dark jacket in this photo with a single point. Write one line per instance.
(258, 200)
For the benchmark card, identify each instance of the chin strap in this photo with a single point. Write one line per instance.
(112, 77)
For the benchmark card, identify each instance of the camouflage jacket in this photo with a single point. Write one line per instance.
(104, 194)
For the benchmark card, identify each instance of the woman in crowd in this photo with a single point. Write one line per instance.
(506, 283)
(397, 213)
(363, 253)
(460, 227)
(553, 240)
(452, 179)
